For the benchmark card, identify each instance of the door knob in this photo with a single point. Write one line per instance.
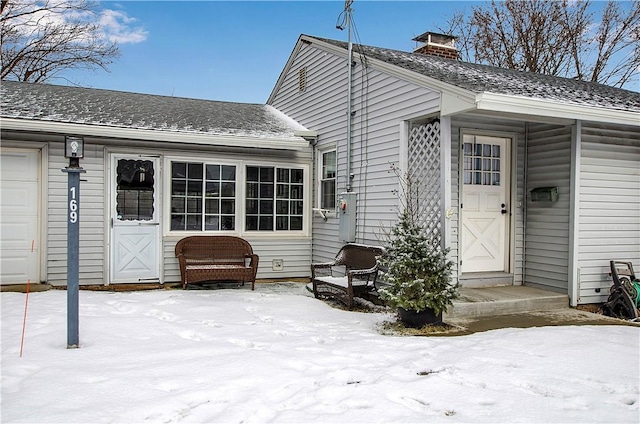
(504, 209)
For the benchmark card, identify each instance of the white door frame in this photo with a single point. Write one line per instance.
(509, 238)
(154, 224)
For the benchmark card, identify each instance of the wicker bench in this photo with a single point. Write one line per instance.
(216, 258)
(359, 265)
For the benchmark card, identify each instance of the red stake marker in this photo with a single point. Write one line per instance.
(26, 304)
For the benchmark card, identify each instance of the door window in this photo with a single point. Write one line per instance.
(481, 164)
(134, 192)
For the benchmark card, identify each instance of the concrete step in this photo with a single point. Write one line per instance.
(505, 300)
(486, 279)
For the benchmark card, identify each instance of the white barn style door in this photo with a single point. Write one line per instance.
(135, 223)
(485, 207)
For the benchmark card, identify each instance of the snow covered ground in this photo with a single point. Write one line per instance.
(278, 355)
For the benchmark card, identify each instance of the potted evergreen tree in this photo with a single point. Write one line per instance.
(415, 268)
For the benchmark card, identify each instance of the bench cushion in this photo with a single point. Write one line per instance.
(341, 281)
(215, 266)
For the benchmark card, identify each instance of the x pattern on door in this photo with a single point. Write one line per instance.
(482, 238)
(135, 253)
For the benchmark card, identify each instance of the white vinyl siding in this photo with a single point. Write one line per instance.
(380, 104)
(547, 223)
(609, 216)
(93, 216)
(294, 250)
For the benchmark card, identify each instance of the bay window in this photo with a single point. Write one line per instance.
(207, 197)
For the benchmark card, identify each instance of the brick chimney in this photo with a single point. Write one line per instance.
(435, 44)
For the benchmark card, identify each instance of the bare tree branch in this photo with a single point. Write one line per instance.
(40, 38)
(616, 34)
(563, 38)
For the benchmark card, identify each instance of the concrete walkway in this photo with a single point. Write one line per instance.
(559, 317)
(505, 300)
(492, 308)
(483, 309)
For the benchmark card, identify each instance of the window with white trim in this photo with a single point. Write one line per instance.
(274, 198)
(203, 196)
(328, 170)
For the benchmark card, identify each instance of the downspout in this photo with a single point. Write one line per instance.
(525, 208)
(313, 142)
(314, 174)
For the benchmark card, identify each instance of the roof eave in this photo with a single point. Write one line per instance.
(454, 99)
(296, 142)
(301, 40)
(547, 108)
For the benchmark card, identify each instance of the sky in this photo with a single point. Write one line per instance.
(278, 355)
(235, 50)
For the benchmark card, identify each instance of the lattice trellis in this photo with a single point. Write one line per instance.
(424, 167)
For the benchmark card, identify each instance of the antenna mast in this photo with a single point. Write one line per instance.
(347, 12)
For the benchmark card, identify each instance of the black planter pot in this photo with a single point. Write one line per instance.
(415, 319)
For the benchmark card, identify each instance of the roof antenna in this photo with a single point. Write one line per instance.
(345, 16)
(346, 20)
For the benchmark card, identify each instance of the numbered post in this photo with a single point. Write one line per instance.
(74, 150)
(73, 262)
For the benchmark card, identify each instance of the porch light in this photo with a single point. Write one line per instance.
(74, 147)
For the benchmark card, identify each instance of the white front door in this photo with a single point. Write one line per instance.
(135, 232)
(19, 207)
(485, 204)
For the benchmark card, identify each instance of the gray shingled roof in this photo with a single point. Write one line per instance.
(107, 108)
(478, 78)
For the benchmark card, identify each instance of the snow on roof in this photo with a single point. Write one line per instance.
(44, 102)
(478, 78)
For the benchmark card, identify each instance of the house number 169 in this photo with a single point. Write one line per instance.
(73, 206)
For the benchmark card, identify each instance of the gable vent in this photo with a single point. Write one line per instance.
(435, 44)
(302, 79)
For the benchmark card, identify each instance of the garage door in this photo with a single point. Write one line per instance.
(19, 257)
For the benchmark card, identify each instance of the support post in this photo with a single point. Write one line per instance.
(73, 263)
(574, 214)
(74, 151)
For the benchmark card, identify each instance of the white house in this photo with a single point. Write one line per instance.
(528, 179)
(157, 169)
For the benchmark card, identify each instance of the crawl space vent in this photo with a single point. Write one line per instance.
(302, 79)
